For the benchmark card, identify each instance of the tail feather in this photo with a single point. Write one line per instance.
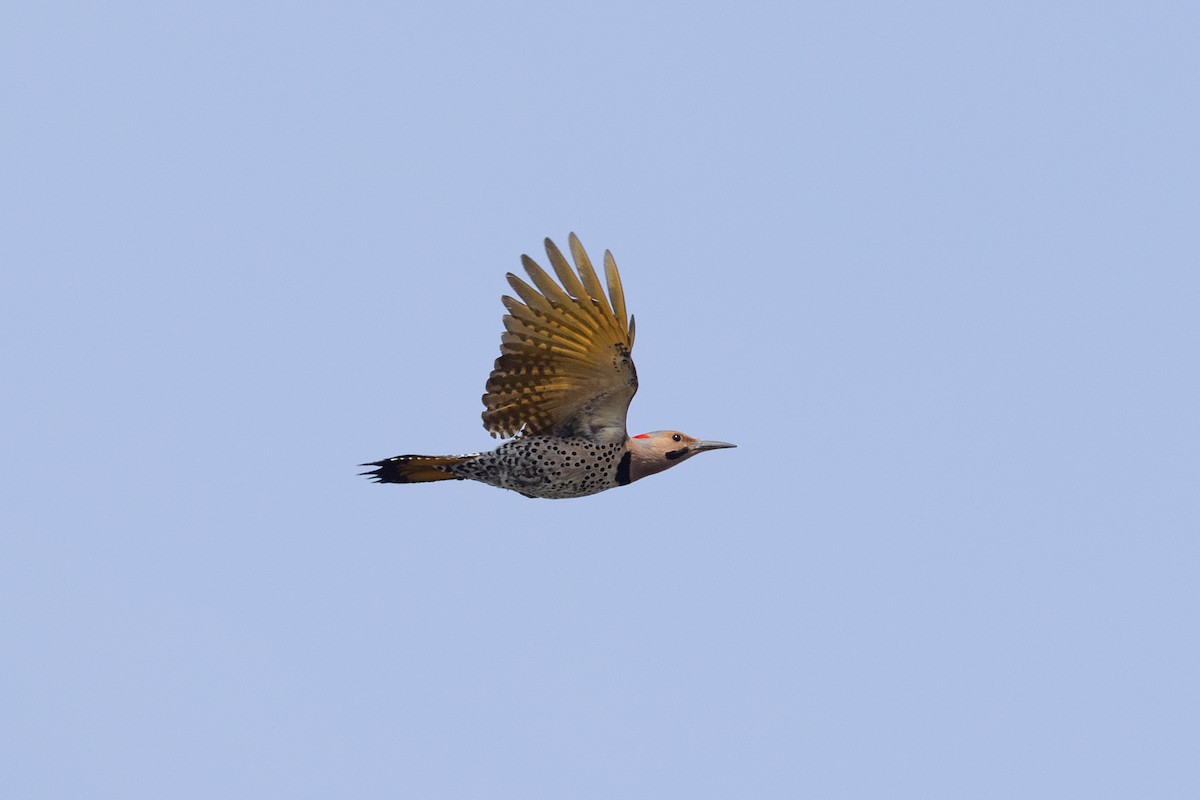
(415, 469)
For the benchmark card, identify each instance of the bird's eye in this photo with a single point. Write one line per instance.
(676, 437)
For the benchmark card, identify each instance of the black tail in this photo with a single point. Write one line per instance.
(414, 469)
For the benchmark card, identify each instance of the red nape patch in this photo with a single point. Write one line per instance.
(642, 436)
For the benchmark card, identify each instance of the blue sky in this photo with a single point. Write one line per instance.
(933, 268)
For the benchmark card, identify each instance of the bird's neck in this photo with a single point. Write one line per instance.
(646, 457)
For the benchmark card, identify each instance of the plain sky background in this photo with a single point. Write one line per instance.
(934, 267)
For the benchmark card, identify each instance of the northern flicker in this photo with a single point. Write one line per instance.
(561, 387)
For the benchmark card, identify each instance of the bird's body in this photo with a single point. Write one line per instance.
(535, 466)
(562, 387)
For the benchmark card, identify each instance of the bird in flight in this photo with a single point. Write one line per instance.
(561, 387)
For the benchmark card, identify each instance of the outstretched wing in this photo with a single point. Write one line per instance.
(565, 364)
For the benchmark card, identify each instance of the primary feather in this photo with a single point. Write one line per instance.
(565, 364)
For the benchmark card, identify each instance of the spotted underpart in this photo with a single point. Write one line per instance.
(543, 466)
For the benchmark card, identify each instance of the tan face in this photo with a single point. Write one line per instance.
(653, 452)
(672, 445)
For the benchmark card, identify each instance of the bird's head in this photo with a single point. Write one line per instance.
(653, 452)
